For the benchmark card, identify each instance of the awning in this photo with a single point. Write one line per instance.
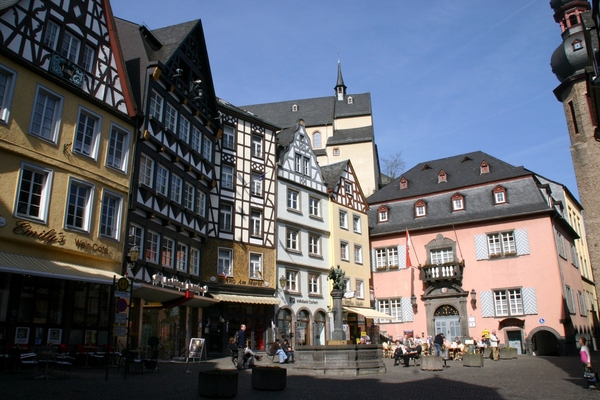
(234, 298)
(19, 264)
(169, 297)
(367, 312)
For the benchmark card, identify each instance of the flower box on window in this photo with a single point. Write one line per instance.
(510, 254)
(496, 255)
(381, 268)
(393, 267)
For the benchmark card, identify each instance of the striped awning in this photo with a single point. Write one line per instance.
(239, 298)
(367, 312)
(19, 264)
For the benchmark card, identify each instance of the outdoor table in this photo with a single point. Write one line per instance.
(47, 357)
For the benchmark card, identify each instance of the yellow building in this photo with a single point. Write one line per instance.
(66, 136)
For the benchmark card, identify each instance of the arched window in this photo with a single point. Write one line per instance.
(317, 140)
(319, 329)
(302, 334)
(350, 100)
(284, 322)
(294, 108)
(484, 168)
(442, 176)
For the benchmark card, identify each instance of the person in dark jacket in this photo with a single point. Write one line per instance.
(438, 342)
(287, 349)
(276, 350)
(241, 346)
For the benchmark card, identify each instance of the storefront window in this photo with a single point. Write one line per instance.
(284, 322)
(319, 329)
(302, 328)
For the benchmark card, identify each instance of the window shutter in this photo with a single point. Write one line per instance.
(481, 247)
(529, 300)
(522, 242)
(401, 256)
(487, 304)
(407, 310)
(373, 260)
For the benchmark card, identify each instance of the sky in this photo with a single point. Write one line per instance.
(445, 77)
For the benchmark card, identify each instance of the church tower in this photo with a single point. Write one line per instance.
(573, 63)
(340, 88)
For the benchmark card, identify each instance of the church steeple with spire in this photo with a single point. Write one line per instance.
(340, 88)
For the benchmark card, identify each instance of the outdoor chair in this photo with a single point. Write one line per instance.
(28, 361)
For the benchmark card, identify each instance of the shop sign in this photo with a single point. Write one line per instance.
(45, 236)
(97, 248)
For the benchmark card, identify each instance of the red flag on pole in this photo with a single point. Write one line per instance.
(408, 262)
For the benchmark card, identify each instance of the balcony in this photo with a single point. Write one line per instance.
(431, 273)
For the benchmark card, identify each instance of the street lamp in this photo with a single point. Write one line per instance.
(134, 253)
(282, 282)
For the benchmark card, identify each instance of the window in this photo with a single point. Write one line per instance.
(257, 184)
(458, 202)
(79, 205)
(305, 165)
(170, 117)
(336, 151)
(391, 307)
(499, 195)
(256, 266)
(256, 223)
(45, 118)
(228, 137)
(582, 304)
(301, 164)
(314, 284)
(152, 243)
(225, 261)
(110, 216)
(484, 168)
(194, 261)
(227, 177)
(256, 146)
(403, 183)
(184, 129)
(136, 238)
(116, 153)
(442, 177)
(294, 108)
(196, 138)
(350, 100)
(291, 240)
(176, 187)
(51, 35)
(317, 140)
(156, 106)
(570, 299)
(560, 245)
(162, 180)
(344, 251)
(292, 281)
(292, 200)
(441, 256)
(348, 188)
(87, 133)
(502, 244)
(577, 45)
(146, 170)
(206, 148)
(386, 258)
(7, 86)
(343, 219)
(200, 203)
(359, 289)
(225, 217)
(508, 302)
(358, 257)
(298, 162)
(188, 196)
(88, 58)
(356, 225)
(166, 254)
(314, 207)
(33, 192)
(314, 245)
(70, 47)
(383, 215)
(181, 261)
(420, 208)
(383, 306)
(574, 255)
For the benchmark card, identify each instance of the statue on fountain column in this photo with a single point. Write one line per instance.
(337, 276)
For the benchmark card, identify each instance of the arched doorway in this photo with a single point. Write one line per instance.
(545, 343)
(447, 321)
(284, 322)
(319, 328)
(302, 328)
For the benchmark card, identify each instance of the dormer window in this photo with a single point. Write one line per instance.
(382, 214)
(294, 108)
(499, 195)
(403, 183)
(484, 168)
(577, 45)
(420, 208)
(442, 177)
(458, 202)
(350, 100)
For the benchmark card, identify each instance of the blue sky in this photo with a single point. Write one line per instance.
(445, 77)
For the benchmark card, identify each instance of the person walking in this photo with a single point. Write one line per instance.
(438, 342)
(241, 345)
(494, 341)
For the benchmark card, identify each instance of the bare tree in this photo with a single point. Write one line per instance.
(393, 165)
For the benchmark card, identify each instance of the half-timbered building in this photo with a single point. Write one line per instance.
(174, 178)
(303, 242)
(66, 143)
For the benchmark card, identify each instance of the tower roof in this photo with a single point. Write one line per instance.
(340, 79)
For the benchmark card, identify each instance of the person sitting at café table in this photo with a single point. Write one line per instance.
(399, 352)
(410, 354)
(287, 349)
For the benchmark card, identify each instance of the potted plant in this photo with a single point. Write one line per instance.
(472, 359)
(269, 378)
(432, 363)
(218, 383)
(508, 353)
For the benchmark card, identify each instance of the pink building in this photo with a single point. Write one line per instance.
(490, 249)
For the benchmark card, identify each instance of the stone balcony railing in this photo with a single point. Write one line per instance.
(431, 273)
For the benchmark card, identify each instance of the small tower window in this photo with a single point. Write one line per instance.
(350, 100)
(420, 208)
(336, 151)
(577, 45)
(458, 202)
(382, 214)
(403, 183)
(484, 168)
(317, 140)
(499, 195)
(573, 20)
(442, 177)
(295, 108)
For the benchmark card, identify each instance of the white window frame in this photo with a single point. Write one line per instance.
(35, 127)
(117, 150)
(314, 244)
(356, 224)
(136, 238)
(87, 133)
(501, 244)
(227, 176)
(257, 151)
(500, 197)
(153, 249)
(111, 215)
(86, 208)
(292, 284)
(358, 254)
(194, 261)
(200, 202)
(359, 289)
(181, 257)
(176, 188)
(6, 93)
(383, 216)
(69, 47)
(162, 180)
(156, 105)
(420, 211)
(256, 266)
(314, 284)
(184, 129)
(508, 302)
(228, 137)
(257, 189)
(167, 252)
(292, 239)
(441, 256)
(343, 219)
(51, 34)
(314, 207)
(88, 59)
(170, 117)
(225, 261)
(458, 204)
(256, 223)
(188, 195)
(206, 148)
(344, 250)
(226, 217)
(293, 199)
(42, 193)
(146, 176)
(196, 139)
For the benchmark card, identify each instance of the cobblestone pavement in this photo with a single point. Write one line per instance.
(524, 378)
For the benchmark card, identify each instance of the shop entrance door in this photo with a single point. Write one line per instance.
(449, 326)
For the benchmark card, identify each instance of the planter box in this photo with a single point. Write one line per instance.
(269, 378)
(221, 384)
(508, 353)
(472, 360)
(432, 363)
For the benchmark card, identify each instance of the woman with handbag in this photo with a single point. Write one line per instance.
(589, 376)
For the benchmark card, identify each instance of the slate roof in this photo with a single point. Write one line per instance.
(355, 135)
(332, 173)
(463, 177)
(244, 114)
